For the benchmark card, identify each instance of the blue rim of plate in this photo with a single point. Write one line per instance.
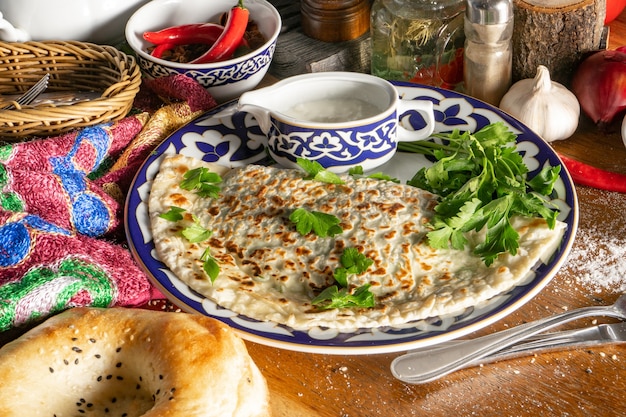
(233, 138)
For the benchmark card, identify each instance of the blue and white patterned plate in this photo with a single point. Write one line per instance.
(232, 138)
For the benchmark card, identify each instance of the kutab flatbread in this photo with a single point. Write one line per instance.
(269, 272)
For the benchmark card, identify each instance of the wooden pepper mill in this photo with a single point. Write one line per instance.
(335, 20)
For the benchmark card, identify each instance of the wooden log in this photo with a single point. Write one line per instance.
(556, 34)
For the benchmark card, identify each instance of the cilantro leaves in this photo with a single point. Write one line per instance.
(482, 181)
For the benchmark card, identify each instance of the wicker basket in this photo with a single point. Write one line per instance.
(72, 66)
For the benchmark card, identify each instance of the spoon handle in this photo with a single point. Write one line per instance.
(430, 364)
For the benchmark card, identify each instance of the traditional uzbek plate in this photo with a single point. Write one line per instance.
(233, 138)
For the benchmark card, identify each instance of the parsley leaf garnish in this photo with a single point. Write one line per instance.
(334, 297)
(210, 265)
(196, 233)
(174, 214)
(315, 171)
(482, 181)
(322, 224)
(357, 172)
(353, 262)
(202, 181)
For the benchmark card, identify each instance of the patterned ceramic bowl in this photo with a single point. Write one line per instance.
(225, 80)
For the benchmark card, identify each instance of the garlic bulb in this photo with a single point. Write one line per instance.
(545, 106)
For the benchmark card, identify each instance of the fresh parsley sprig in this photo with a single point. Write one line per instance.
(357, 172)
(202, 181)
(482, 181)
(339, 296)
(196, 233)
(174, 214)
(322, 224)
(315, 171)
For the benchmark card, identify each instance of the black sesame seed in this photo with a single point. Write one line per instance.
(99, 378)
(120, 378)
(118, 349)
(106, 410)
(113, 400)
(76, 361)
(170, 399)
(74, 339)
(92, 340)
(109, 376)
(158, 391)
(65, 361)
(97, 355)
(82, 400)
(81, 411)
(51, 370)
(138, 386)
(89, 405)
(77, 349)
(79, 404)
(118, 365)
(160, 376)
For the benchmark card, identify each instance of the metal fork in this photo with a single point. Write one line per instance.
(428, 365)
(31, 94)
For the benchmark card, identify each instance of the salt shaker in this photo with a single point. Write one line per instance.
(488, 57)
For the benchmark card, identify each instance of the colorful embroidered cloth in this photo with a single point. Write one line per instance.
(61, 204)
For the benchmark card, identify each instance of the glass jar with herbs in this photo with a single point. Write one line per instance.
(418, 41)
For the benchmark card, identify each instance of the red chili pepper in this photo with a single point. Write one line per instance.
(186, 34)
(590, 176)
(160, 49)
(231, 37)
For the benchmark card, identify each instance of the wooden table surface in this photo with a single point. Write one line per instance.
(585, 382)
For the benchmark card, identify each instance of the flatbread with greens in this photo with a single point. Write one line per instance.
(244, 248)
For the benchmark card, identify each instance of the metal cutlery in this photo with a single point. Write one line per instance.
(60, 98)
(429, 364)
(603, 334)
(31, 94)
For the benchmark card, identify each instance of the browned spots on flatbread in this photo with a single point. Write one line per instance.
(178, 200)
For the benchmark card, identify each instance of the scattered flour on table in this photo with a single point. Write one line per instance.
(598, 256)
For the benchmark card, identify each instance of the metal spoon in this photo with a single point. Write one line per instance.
(430, 364)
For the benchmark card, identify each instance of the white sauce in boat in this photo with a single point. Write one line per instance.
(333, 110)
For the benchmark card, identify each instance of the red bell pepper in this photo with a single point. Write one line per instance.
(230, 39)
(590, 176)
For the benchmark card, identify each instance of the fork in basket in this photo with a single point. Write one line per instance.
(31, 94)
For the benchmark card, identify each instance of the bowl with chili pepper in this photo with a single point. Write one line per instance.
(225, 45)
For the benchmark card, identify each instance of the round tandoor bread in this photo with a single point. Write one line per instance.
(130, 362)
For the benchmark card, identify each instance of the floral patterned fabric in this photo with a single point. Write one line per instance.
(61, 208)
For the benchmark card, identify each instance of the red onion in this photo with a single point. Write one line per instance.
(600, 85)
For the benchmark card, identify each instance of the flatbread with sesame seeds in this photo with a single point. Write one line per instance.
(269, 271)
